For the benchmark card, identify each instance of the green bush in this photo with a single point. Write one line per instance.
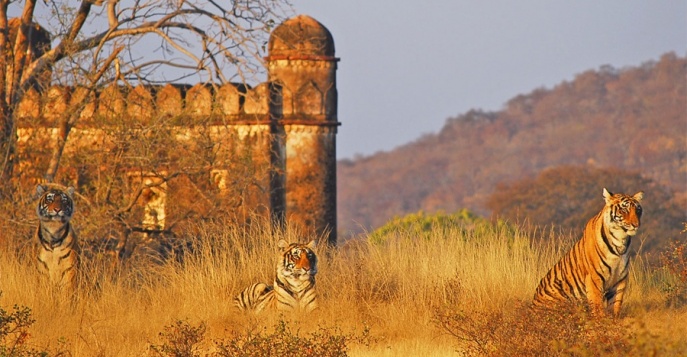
(421, 225)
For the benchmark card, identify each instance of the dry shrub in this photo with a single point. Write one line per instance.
(674, 260)
(324, 342)
(13, 331)
(182, 340)
(566, 331)
(15, 339)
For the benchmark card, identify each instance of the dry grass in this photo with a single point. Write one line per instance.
(398, 289)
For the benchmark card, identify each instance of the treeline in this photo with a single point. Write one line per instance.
(631, 121)
(566, 197)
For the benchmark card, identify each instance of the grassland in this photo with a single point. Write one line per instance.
(453, 291)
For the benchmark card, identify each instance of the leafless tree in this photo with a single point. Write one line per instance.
(143, 41)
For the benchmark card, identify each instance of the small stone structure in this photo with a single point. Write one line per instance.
(287, 125)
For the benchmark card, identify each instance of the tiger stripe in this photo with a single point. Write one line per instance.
(255, 298)
(58, 255)
(596, 268)
(293, 289)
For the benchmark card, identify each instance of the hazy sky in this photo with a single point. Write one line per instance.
(406, 66)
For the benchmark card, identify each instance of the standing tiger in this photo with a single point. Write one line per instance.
(58, 257)
(596, 268)
(294, 283)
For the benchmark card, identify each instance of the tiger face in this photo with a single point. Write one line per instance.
(55, 204)
(298, 261)
(624, 212)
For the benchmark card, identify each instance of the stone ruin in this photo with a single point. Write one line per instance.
(285, 127)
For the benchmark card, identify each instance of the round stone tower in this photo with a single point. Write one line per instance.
(302, 65)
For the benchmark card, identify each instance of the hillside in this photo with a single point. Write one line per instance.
(631, 119)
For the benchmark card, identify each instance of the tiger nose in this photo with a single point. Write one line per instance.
(634, 219)
(303, 262)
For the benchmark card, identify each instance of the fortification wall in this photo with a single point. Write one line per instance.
(268, 149)
(182, 125)
(227, 104)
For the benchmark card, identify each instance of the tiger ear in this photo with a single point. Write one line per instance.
(40, 189)
(312, 244)
(638, 196)
(282, 244)
(607, 196)
(70, 191)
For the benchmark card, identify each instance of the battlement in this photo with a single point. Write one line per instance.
(227, 104)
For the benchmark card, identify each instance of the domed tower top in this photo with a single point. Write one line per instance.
(301, 37)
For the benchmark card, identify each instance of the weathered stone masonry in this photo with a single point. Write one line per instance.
(289, 124)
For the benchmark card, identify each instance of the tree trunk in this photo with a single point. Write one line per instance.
(62, 133)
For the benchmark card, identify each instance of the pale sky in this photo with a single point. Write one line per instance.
(406, 66)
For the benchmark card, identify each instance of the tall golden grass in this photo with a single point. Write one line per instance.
(394, 288)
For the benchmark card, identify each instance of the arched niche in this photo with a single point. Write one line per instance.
(309, 100)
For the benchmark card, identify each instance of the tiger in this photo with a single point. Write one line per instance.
(293, 289)
(58, 256)
(595, 270)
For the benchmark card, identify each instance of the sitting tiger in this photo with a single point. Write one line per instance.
(596, 268)
(294, 283)
(58, 257)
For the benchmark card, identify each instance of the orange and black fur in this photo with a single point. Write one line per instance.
(58, 258)
(596, 269)
(294, 284)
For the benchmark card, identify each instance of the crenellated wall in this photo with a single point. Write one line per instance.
(286, 126)
(225, 104)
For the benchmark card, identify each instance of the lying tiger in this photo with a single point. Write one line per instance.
(58, 258)
(294, 284)
(596, 269)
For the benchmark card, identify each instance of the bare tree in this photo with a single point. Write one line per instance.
(143, 41)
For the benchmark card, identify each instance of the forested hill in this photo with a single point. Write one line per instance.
(631, 119)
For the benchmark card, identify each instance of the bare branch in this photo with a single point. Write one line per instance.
(112, 14)
(66, 124)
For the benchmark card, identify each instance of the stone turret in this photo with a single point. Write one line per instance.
(302, 65)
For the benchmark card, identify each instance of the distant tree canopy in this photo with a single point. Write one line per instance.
(567, 197)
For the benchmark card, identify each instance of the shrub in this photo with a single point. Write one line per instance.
(182, 340)
(570, 330)
(674, 260)
(422, 225)
(325, 342)
(14, 332)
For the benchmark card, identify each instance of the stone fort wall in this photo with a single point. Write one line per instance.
(286, 126)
